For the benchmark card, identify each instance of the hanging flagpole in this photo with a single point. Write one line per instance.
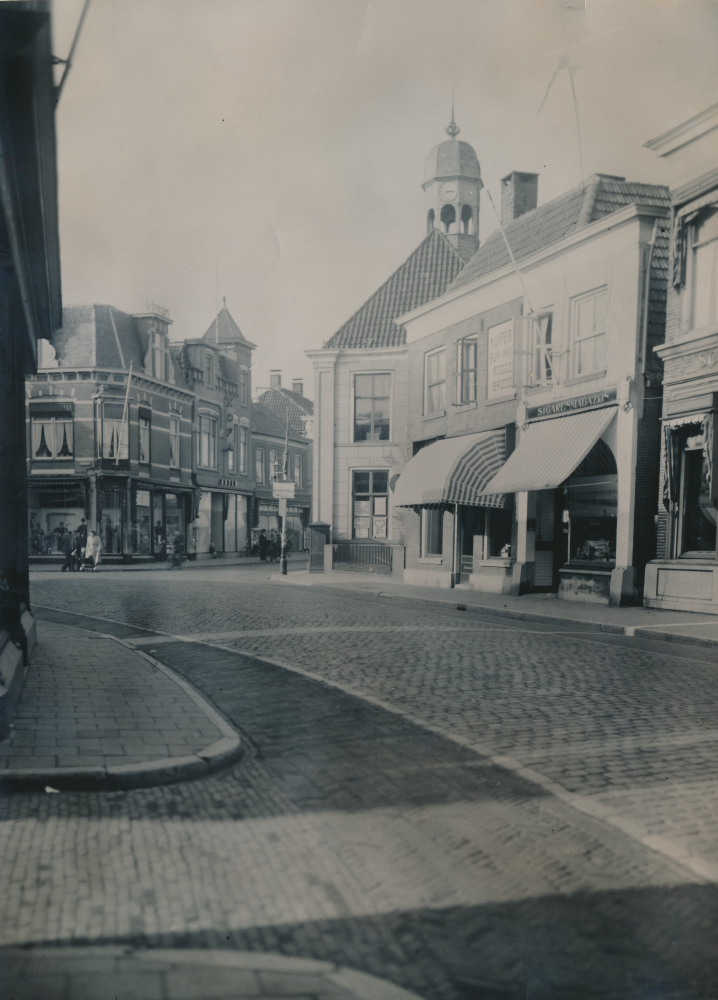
(124, 417)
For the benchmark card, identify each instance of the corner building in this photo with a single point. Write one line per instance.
(685, 575)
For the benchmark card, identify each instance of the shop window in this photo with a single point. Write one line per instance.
(370, 498)
(498, 533)
(259, 464)
(466, 370)
(432, 531)
(174, 442)
(541, 350)
(592, 512)
(697, 515)
(434, 381)
(144, 423)
(242, 458)
(112, 504)
(703, 271)
(371, 407)
(298, 471)
(174, 516)
(113, 432)
(52, 436)
(207, 442)
(142, 523)
(588, 332)
(273, 466)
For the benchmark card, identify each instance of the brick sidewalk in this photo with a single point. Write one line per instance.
(91, 702)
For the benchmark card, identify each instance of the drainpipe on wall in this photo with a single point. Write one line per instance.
(456, 557)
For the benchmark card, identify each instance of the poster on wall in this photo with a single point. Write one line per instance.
(501, 360)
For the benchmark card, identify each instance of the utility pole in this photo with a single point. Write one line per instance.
(283, 504)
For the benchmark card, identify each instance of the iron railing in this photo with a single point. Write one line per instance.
(364, 557)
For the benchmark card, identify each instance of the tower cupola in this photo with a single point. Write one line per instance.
(452, 182)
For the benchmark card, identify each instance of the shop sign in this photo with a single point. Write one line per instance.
(143, 498)
(501, 360)
(573, 405)
(283, 491)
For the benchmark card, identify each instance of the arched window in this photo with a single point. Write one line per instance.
(448, 216)
(430, 220)
(209, 371)
(467, 219)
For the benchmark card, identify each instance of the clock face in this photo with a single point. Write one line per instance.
(448, 191)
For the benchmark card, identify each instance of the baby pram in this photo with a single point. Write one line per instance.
(87, 563)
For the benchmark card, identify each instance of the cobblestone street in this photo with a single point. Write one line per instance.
(465, 806)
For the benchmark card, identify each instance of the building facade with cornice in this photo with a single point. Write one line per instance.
(685, 576)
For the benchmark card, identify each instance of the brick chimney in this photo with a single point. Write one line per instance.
(298, 386)
(275, 379)
(519, 194)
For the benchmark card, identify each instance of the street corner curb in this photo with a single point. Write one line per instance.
(223, 752)
(59, 779)
(167, 771)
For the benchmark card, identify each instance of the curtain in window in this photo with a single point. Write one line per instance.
(43, 438)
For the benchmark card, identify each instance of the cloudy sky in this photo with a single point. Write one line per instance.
(272, 151)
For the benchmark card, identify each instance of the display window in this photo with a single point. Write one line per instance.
(370, 499)
(111, 520)
(592, 512)
(688, 488)
(142, 524)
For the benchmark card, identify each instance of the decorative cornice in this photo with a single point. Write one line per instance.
(705, 341)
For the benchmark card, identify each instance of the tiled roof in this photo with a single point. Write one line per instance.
(75, 343)
(268, 423)
(551, 222)
(425, 275)
(98, 335)
(287, 404)
(228, 329)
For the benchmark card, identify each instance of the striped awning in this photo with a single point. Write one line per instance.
(550, 450)
(453, 470)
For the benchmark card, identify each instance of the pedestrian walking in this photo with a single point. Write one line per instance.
(66, 546)
(262, 546)
(93, 551)
(177, 550)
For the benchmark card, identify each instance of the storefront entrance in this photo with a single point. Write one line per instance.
(157, 516)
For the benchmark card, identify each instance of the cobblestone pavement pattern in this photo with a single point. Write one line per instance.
(96, 703)
(352, 835)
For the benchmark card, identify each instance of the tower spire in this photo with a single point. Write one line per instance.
(452, 128)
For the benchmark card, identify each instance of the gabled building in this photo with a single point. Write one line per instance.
(534, 400)
(361, 374)
(216, 368)
(290, 405)
(109, 433)
(280, 451)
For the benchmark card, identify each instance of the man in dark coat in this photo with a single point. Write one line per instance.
(67, 547)
(262, 546)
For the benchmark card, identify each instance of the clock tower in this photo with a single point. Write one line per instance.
(452, 182)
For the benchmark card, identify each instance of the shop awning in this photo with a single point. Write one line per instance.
(550, 450)
(453, 470)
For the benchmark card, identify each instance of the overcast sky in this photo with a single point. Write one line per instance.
(272, 151)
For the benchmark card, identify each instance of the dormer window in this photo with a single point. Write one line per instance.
(209, 371)
(158, 355)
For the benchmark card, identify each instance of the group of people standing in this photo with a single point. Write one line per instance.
(82, 548)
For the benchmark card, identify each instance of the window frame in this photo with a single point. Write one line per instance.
(691, 268)
(259, 470)
(540, 353)
(242, 447)
(426, 515)
(374, 509)
(158, 355)
(209, 370)
(243, 388)
(297, 471)
(144, 424)
(273, 465)
(575, 303)
(462, 397)
(104, 422)
(211, 419)
(430, 385)
(175, 441)
(353, 417)
(53, 420)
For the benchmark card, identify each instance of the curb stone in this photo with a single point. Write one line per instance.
(226, 750)
(302, 977)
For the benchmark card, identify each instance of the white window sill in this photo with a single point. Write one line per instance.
(434, 416)
(466, 406)
(364, 444)
(63, 458)
(536, 390)
(590, 377)
(493, 561)
(431, 561)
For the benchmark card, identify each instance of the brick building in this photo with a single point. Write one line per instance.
(104, 445)
(685, 576)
